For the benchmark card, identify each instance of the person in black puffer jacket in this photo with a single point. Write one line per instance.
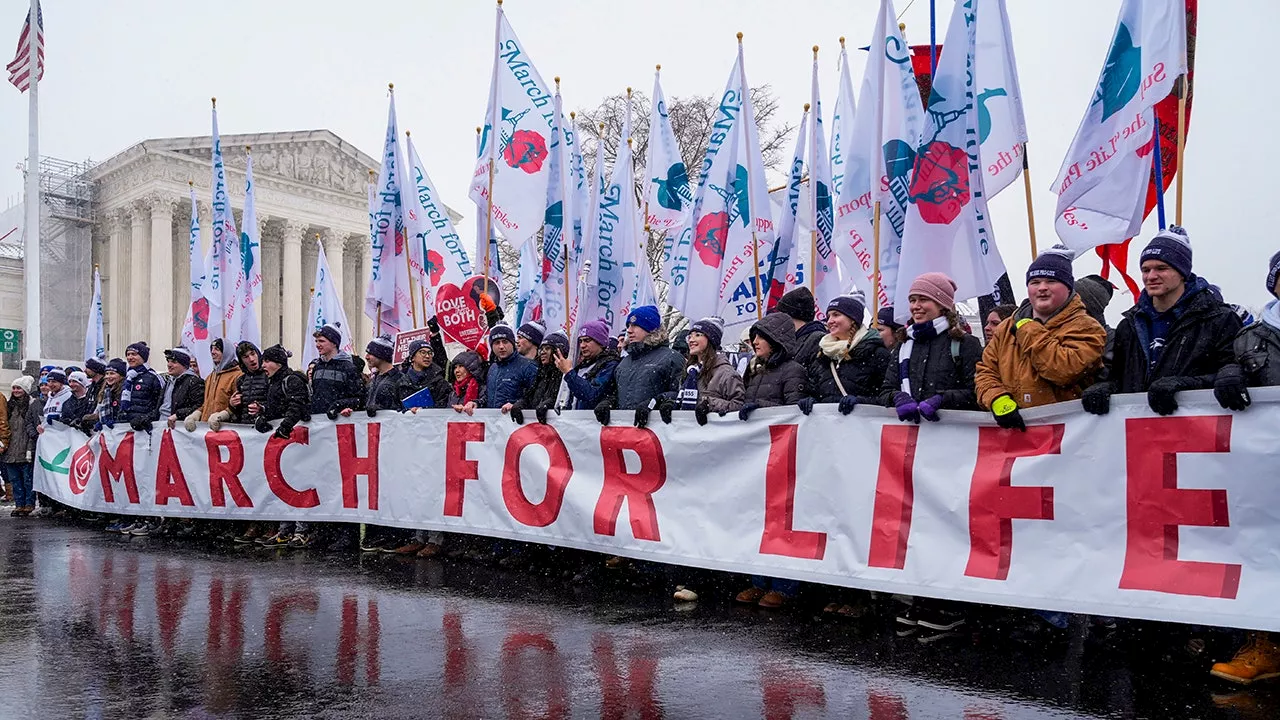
(542, 395)
(651, 372)
(143, 389)
(800, 306)
(1178, 337)
(250, 395)
(80, 404)
(185, 392)
(423, 371)
(287, 396)
(935, 369)
(773, 377)
(384, 389)
(851, 359)
(336, 384)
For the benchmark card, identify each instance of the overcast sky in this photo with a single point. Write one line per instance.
(122, 71)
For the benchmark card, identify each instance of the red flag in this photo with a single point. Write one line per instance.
(1117, 255)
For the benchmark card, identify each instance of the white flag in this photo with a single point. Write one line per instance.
(617, 239)
(557, 228)
(948, 227)
(842, 126)
(225, 278)
(95, 340)
(588, 261)
(516, 141)
(433, 238)
(667, 195)
(195, 326)
(1002, 127)
(389, 277)
(325, 309)
(1102, 186)
(529, 289)
(578, 210)
(787, 270)
(250, 259)
(825, 272)
(713, 266)
(879, 157)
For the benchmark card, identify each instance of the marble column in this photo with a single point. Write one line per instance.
(160, 295)
(365, 322)
(182, 267)
(139, 280)
(115, 297)
(206, 227)
(292, 307)
(353, 296)
(334, 251)
(270, 300)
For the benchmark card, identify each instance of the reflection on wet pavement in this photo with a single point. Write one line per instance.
(100, 626)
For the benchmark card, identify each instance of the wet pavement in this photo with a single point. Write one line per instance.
(100, 626)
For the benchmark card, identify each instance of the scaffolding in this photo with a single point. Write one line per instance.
(66, 256)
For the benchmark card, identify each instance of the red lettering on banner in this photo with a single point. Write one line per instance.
(561, 469)
(275, 477)
(226, 473)
(783, 691)
(351, 643)
(632, 697)
(1157, 507)
(170, 482)
(886, 706)
(895, 497)
(278, 612)
(117, 467)
(780, 536)
(547, 679)
(636, 488)
(171, 602)
(994, 503)
(457, 468)
(350, 464)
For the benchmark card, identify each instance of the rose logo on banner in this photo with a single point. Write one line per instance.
(435, 267)
(940, 186)
(523, 149)
(82, 466)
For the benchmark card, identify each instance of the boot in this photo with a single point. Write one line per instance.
(8, 493)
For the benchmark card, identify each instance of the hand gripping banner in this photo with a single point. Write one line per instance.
(1131, 515)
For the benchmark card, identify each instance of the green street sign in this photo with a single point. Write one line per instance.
(10, 340)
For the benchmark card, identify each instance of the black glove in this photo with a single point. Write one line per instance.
(51, 419)
(372, 411)
(541, 414)
(284, 431)
(141, 425)
(109, 424)
(332, 412)
(517, 414)
(602, 411)
(747, 409)
(1162, 393)
(1230, 390)
(1006, 414)
(1097, 398)
(642, 416)
(805, 405)
(434, 325)
(261, 425)
(847, 404)
(665, 406)
(701, 411)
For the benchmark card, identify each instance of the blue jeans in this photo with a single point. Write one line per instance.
(19, 475)
(786, 587)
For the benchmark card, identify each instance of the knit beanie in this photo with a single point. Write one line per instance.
(329, 332)
(1095, 292)
(381, 348)
(1273, 273)
(95, 365)
(852, 306)
(1053, 264)
(79, 377)
(533, 332)
(1171, 246)
(645, 317)
(179, 355)
(415, 346)
(56, 375)
(559, 341)
(26, 383)
(712, 328)
(885, 317)
(141, 348)
(596, 330)
(937, 287)
(118, 365)
(216, 345)
(799, 304)
(502, 331)
(278, 355)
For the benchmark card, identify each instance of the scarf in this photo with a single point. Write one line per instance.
(918, 331)
(1271, 314)
(838, 350)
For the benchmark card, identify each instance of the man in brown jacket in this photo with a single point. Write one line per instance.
(218, 387)
(1047, 352)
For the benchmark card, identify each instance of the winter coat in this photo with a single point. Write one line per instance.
(1042, 363)
(35, 416)
(545, 388)
(464, 392)
(75, 409)
(720, 386)
(861, 371)
(252, 388)
(411, 381)
(287, 398)
(650, 370)
(779, 380)
(218, 389)
(1257, 349)
(143, 393)
(335, 384)
(1197, 345)
(4, 420)
(807, 339)
(188, 395)
(53, 404)
(384, 391)
(935, 370)
(19, 443)
(591, 382)
(509, 380)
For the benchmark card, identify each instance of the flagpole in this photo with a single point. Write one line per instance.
(1184, 88)
(408, 270)
(875, 291)
(1026, 186)
(493, 130)
(1157, 162)
(813, 195)
(31, 244)
(933, 40)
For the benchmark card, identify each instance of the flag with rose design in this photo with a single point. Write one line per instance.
(948, 226)
(195, 326)
(557, 227)
(388, 301)
(516, 141)
(441, 256)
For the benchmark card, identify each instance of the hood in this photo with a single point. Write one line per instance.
(810, 328)
(779, 330)
(657, 338)
(1196, 291)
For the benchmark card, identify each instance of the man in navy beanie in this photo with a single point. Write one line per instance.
(1178, 336)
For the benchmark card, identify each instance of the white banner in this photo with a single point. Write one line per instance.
(1128, 515)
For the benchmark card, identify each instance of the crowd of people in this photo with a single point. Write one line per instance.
(1055, 347)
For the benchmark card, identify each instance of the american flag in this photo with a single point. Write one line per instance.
(20, 68)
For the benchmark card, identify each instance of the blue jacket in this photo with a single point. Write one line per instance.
(509, 380)
(589, 383)
(142, 396)
(336, 384)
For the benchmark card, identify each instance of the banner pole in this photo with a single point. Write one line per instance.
(1026, 187)
(755, 260)
(568, 330)
(875, 290)
(1183, 91)
(1157, 163)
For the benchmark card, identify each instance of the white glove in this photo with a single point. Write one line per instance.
(190, 422)
(216, 420)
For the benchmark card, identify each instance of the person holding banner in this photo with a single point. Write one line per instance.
(1177, 337)
(287, 401)
(184, 393)
(529, 339)
(649, 376)
(773, 376)
(17, 454)
(421, 372)
(143, 390)
(510, 373)
(851, 359)
(336, 384)
(711, 383)
(467, 393)
(247, 402)
(542, 395)
(94, 370)
(590, 381)
(218, 387)
(384, 388)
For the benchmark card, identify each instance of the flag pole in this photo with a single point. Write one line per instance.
(1157, 163)
(493, 129)
(1184, 87)
(875, 291)
(31, 243)
(1026, 187)
(813, 196)
(408, 269)
(933, 40)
